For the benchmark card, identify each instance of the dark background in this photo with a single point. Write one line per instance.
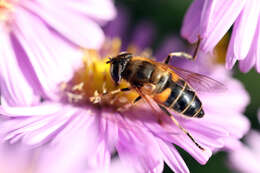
(167, 16)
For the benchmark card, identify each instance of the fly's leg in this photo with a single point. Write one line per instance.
(128, 106)
(177, 54)
(196, 49)
(98, 97)
(137, 99)
(179, 126)
(183, 54)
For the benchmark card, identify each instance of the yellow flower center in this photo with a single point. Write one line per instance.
(6, 6)
(93, 83)
(221, 49)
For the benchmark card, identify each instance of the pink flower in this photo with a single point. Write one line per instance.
(79, 135)
(32, 33)
(210, 20)
(246, 158)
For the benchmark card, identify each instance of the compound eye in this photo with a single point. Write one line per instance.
(115, 71)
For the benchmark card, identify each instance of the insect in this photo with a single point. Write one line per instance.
(170, 87)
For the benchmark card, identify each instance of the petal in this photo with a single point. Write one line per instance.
(70, 150)
(15, 85)
(78, 29)
(216, 18)
(237, 124)
(252, 139)
(133, 150)
(36, 110)
(256, 45)
(172, 157)
(109, 128)
(108, 134)
(173, 43)
(184, 142)
(117, 166)
(244, 159)
(250, 60)
(37, 129)
(17, 155)
(100, 157)
(118, 26)
(235, 102)
(243, 33)
(143, 35)
(100, 11)
(191, 23)
(46, 52)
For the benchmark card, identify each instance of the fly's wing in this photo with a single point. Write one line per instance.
(146, 99)
(198, 81)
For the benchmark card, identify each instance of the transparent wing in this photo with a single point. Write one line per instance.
(198, 81)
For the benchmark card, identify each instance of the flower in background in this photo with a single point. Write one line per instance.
(210, 20)
(78, 134)
(246, 158)
(36, 32)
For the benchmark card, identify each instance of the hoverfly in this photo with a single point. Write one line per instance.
(170, 87)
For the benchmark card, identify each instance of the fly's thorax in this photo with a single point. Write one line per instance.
(138, 72)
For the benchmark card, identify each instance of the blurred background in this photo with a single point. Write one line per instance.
(167, 16)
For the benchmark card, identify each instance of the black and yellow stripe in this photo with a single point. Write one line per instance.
(184, 100)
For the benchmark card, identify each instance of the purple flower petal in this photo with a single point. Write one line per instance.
(117, 28)
(134, 151)
(36, 129)
(216, 18)
(88, 35)
(243, 33)
(143, 35)
(10, 74)
(38, 110)
(184, 142)
(10, 155)
(246, 157)
(173, 43)
(109, 128)
(256, 44)
(90, 8)
(42, 53)
(117, 166)
(172, 157)
(250, 60)
(210, 20)
(190, 27)
(71, 148)
(217, 102)
(253, 139)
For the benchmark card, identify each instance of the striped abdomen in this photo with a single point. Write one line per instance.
(182, 100)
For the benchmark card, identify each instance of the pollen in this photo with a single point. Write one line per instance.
(5, 8)
(93, 84)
